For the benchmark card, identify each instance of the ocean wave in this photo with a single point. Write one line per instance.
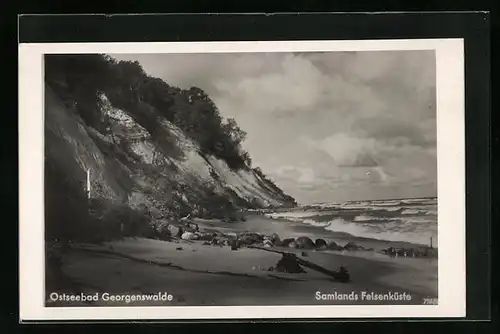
(418, 212)
(405, 210)
(362, 218)
(419, 200)
(391, 203)
(376, 211)
(326, 205)
(415, 221)
(315, 223)
(405, 220)
(295, 214)
(386, 203)
(393, 208)
(416, 230)
(365, 231)
(413, 212)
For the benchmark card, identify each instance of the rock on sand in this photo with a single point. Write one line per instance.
(175, 231)
(334, 246)
(321, 244)
(187, 236)
(304, 243)
(286, 242)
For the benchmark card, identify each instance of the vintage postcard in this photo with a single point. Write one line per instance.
(242, 180)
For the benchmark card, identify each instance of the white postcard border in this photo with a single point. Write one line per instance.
(451, 184)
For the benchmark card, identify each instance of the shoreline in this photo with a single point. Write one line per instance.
(260, 223)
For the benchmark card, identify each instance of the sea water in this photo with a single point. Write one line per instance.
(406, 220)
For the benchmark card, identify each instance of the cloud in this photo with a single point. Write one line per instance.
(364, 160)
(382, 174)
(317, 123)
(298, 174)
(346, 150)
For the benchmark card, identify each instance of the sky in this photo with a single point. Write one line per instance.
(326, 127)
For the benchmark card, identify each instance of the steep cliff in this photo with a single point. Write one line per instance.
(144, 167)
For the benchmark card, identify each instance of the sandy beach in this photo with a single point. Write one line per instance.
(195, 273)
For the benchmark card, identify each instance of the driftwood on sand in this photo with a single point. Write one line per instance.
(342, 275)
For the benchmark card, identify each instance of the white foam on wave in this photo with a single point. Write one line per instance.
(424, 201)
(367, 231)
(326, 205)
(386, 203)
(315, 223)
(392, 208)
(412, 220)
(362, 218)
(412, 212)
(417, 220)
(418, 212)
(371, 207)
(416, 230)
(296, 214)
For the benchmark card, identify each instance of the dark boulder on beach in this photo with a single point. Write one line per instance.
(191, 227)
(268, 243)
(278, 243)
(205, 236)
(321, 244)
(286, 242)
(275, 238)
(162, 231)
(245, 240)
(250, 238)
(230, 219)
(334, 246)
(253, 235)
(304, 243)
(353, 246)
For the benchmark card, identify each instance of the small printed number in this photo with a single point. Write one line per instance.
(430, 301)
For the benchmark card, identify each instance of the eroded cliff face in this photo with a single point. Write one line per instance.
(163, 173)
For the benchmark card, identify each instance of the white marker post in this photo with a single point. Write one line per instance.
(88, 183)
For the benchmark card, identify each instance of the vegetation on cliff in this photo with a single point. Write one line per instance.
(80, 79)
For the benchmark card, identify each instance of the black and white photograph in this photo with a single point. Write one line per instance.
(235, 179)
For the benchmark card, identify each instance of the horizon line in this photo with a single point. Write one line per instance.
(363, 200)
